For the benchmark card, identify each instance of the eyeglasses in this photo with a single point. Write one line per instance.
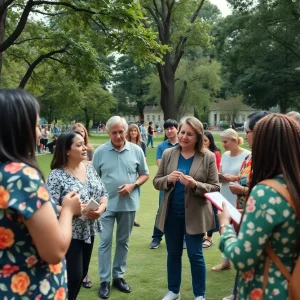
(248, 131)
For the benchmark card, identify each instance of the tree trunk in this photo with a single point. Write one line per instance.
(2, 33)
(284, 104)
(167, 99)
(87, 120)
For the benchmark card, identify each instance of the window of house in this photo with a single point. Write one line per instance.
(148, 118)
(153, 117)
(158, 118)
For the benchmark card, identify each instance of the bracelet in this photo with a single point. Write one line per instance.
(222, 226)
(104, 205)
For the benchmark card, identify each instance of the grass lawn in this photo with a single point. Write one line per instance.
(146, 268)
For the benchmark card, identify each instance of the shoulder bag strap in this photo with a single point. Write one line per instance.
(283, 191)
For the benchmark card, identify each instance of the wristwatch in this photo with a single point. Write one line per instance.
(136, 186)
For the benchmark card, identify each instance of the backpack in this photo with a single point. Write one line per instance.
(293, 278)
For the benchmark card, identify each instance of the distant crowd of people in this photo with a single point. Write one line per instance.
(48, 227)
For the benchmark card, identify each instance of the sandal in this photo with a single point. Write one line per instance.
(206, 243)
(221, 267)
(86, 282)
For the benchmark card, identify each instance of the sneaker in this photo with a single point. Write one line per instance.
(154, 244)
(231, 297)
(171, 296)
(200, 298)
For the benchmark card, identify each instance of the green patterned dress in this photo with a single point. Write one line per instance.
(268, 218)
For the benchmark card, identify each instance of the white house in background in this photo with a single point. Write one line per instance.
(155, 114)
(219, 112)
(131, 118)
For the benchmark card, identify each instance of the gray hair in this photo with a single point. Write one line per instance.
(115, 120)
(295, 115)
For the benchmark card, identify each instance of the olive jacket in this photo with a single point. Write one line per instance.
(199, 216)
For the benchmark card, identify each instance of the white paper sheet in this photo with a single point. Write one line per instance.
(217, 199)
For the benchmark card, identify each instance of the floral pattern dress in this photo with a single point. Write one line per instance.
(61, 183)
(268, 218)
(23, 275)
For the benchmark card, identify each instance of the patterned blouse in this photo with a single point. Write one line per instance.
(60, 183)
(244, 179)
(268, 218)
(23, 275)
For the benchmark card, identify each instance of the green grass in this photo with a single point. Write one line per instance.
(146, 268)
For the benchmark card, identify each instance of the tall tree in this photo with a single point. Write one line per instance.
(177, 22)
(263, 66)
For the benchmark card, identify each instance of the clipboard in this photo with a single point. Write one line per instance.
(217, 199)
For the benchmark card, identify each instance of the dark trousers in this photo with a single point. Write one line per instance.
(157, 234)
(174, 234)
(78, 259)
(210, 232)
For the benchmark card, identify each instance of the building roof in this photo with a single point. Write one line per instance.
(152, 109)
(219, 106)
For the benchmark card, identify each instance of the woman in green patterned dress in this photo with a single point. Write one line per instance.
(268, 217)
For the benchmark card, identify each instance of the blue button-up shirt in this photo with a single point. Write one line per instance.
(117, 168)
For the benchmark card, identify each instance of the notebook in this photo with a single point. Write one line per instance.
(217, 199)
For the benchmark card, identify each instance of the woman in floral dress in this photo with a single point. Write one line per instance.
(32, 241)
(268, 217)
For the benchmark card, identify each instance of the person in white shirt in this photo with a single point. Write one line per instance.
(230, 165)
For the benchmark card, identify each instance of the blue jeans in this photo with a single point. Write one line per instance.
(174, 233)
(150, 140)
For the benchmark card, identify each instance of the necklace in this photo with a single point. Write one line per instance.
(72, 171)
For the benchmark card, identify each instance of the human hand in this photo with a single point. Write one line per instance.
(174, 176)
(72, 202)
(236, 188)
(126, 189)
(94, 214)
(224, 217)
(229, 177)
(188, 181)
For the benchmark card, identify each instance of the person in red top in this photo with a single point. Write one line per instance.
(209, 142)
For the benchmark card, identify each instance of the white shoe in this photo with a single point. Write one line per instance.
(171, 296)
(200, 298)
(231, 297)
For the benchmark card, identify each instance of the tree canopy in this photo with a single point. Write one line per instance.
(259, 48)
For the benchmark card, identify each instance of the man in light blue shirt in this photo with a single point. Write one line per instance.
(123, 169)
(171, 140)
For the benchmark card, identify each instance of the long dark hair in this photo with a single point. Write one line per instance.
(18, 120)
(63, 144)
(276, 148)
(212, 147)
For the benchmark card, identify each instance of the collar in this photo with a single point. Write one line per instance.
(168, 141)
(125, 147)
